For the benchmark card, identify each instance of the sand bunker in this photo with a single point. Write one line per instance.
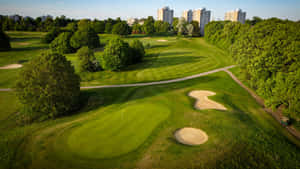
(162, 40)
(191, 136)
(203, 102)
(12, 66)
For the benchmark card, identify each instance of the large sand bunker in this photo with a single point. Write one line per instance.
(191, 136)
(203, 102)
(12, 66)
(162, 40)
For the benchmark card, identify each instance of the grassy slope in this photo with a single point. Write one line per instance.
(178, 57)
(242, 137)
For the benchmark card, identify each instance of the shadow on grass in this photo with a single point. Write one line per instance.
(29, 48)
(25, 39)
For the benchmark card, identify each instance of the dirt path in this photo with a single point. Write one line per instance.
(276, 115)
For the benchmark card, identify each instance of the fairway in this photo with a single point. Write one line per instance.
(166, 58)
(134, 128)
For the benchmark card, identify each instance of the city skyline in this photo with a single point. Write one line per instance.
(287, 9)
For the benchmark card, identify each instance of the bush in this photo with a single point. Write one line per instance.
(108, 27)
(87, 60)
(62, 43)
(137, 51)
(121, 28)
(85, 37)
(50, 36)
(116, 55)
(4, 42)
(47, 87)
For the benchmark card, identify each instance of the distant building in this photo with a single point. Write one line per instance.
(188, 15)
(44, 18)
(236, 16)
(16, 18)
(131, 21)
(165, 14)
(202, 16)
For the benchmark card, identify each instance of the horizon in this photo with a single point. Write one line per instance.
(135, 9)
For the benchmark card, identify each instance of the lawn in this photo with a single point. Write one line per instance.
(168, 57)
(133, 128)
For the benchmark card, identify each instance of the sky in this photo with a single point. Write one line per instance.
(102, 9)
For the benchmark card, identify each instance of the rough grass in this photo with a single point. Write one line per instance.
(139, 123)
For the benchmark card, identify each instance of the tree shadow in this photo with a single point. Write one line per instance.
(29, 48)
(25, 39)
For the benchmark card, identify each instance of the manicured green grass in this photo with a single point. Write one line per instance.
(173, 58)
(133, 128)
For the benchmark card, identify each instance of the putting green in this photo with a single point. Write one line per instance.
(118, 132)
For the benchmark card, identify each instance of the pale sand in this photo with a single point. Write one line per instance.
(12, 66)
(191, 136)
(203, 102)
(162, 40)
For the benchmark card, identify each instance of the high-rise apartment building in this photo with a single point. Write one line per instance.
(202, 16)
(165, 14)
(236, 16)
(188, 15)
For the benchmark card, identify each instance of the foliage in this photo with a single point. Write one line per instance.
(98, 26)
(121, 28)
(87, 60)
(62, 43)
(174, 24)
(84, 24)
(148, 26)
(116, 55)
(4, 41)
(137, 51)
(181, 26)
(85, 37)
(137, 29)
(47, 87)
(50, 36)
(161, 27)
(72, 27)
(254, 20)
(108, 27)
(190, 29)
(196, 30)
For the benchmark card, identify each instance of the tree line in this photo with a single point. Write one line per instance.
(268, 52)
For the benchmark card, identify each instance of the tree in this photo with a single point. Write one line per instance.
(47, 87)
(161, 27)
(87, 60)
(61, 44)
(85, 37)
(196, 30)
(174, 24)
(50, 36)
(137, 51)
(108, 27)
(4, 41)
(148, 26)
(137, 29)
(72, 27)
(190, 29)
(181, 26)
(116, 55)
(121, 28)
(99, 26)
(84, 24)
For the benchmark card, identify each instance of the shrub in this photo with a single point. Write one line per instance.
(116, 55)
(50, 36)
(4, 42)
(61, 44)
(87, 60)
(85, 37)
(47, 87)
(137, 51)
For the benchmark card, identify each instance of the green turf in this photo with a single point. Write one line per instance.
(175, 58)
(139, 123)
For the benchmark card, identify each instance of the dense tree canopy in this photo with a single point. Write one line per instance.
(61, 44)
(47, 87)
(4, 41)
(87, 60)
(50, 36)
(148, 26)
(116, 55)
(121, 28)
(161, 27)
(137, 51)
(174, 24)
(98, 26)
(85, 37)
(108, 27)
(269, 55)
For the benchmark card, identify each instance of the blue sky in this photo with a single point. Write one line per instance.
(101, 9)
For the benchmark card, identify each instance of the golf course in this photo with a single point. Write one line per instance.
(135, 127)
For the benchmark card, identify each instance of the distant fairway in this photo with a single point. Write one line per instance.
(167, 58)
(134, 128)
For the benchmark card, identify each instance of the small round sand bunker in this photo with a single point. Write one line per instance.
(203, 102)
(191, 136)
(162, 40)
(12, 66)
